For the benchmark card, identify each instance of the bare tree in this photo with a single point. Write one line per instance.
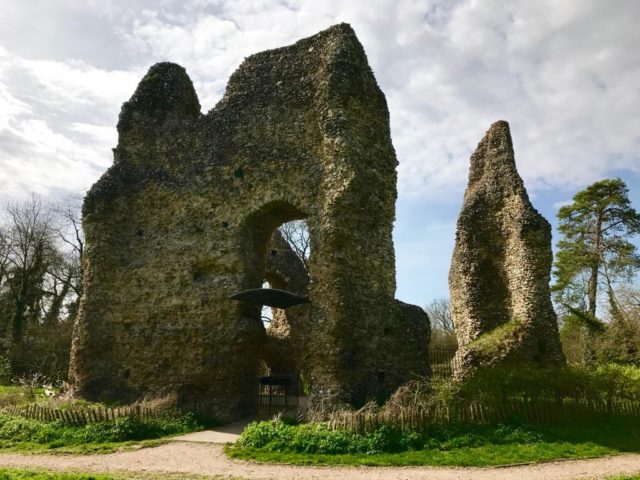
(41, 246)
(4, 277)
(439, 311)
(442, 327)
(29, 248)
(296, 233)
(629, 298)
(68, 229)
(4, 256)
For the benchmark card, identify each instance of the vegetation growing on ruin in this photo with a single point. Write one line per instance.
(491, 341)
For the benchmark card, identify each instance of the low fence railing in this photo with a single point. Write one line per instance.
(540, 412)
(78, 416)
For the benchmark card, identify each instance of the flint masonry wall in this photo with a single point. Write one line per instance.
(184, 216)
(500, 271)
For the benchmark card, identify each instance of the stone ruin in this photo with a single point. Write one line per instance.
(184, 217)
(500, 272)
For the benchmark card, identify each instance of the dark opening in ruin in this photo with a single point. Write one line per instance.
(278, 257)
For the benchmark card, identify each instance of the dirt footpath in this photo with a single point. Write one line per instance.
(209, 459)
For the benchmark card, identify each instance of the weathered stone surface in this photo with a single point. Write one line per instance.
(183, 219)
(499, 277)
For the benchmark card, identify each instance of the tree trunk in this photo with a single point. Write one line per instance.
(592, 293)
(53, 315)
(595, 266)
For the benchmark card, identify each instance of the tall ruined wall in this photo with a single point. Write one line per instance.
(183, 218)
(500, 271)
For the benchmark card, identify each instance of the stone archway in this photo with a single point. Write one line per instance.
(288, 331)
(167, 238)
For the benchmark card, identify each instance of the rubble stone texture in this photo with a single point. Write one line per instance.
(500, 272)
(183, 218)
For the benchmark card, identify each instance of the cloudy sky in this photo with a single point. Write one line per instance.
(564, 73)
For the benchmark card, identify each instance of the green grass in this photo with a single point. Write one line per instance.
(13, 474)
(28, 435)
(492, 341)
(78, 449)
(489, 455)
(13, 389)
(19, 395)
(471, 446)
(13, 394)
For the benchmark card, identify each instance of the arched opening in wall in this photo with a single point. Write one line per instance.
(278, 257)
(288, 258)
(287, 269)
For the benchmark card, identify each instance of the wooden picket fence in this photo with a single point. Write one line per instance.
(409, 418)
(539, 412)
(77, 416)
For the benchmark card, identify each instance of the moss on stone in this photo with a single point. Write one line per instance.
(494, 340)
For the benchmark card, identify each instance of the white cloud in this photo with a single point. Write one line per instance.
(562, 203)
(57, 123)
(565, 74)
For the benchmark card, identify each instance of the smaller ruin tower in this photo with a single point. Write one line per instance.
(500, 271)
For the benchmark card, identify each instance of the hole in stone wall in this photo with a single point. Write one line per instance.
(280, 263)
(267, 312)
(201, 272)
(198, 277)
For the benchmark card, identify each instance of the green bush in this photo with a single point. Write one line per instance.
(318, 438)
(17, 429)
(605, 383)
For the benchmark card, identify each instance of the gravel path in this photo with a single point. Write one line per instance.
(209, 459)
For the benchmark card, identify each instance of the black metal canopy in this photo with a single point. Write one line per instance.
(271, 297)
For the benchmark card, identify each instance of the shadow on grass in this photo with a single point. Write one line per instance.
(622, 435)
